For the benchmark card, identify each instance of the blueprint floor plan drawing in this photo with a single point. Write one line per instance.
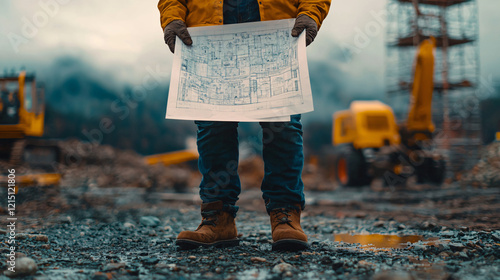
(240, 72)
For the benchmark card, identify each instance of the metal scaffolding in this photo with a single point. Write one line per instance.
(454, 24)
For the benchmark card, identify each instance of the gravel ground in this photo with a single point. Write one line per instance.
(129, 233)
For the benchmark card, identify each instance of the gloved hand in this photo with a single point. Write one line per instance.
(305, 22)
(176, 28)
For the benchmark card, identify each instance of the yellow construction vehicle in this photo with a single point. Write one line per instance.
(369, 142)
(22, 115)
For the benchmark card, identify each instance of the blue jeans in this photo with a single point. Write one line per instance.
(283, 156)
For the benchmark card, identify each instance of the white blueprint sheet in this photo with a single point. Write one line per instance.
(240, 72)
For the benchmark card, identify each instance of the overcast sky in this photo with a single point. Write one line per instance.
(124, 37)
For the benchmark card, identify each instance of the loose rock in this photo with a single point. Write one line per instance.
(463, 255)
(42, 238)
(128, 225)
(150, 221)
(378, 224)
(456, 246)
(496, 236)
(428, 225)
(24, 267)
(420, 247)
(114, 266)
(447, 234)
(337, 265)
(282, 267)
(392, 275)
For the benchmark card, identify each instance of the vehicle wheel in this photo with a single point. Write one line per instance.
(350, 168)
(431, 171)
(423, 171)
(437, 171)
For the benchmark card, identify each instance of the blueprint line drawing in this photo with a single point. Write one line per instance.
(240, 72)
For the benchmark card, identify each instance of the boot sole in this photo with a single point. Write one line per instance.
(186, 244)
(291, 245)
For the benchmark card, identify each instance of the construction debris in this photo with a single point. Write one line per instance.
(486, 173)
(105, 166)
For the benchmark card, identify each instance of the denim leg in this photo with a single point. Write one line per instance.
(283, 162)
(218, 163)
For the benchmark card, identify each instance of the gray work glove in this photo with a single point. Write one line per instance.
(176, 28)
(305, 22)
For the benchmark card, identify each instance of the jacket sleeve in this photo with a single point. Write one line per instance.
(316, 9)
(171, 10)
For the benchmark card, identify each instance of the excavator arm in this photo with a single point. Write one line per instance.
(419, 125)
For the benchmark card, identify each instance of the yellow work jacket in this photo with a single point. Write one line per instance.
(209, 12)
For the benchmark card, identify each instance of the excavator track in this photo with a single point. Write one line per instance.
(38, 153)
(17, 152)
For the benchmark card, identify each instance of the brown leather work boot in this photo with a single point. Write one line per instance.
(287, 232)
(217, 229)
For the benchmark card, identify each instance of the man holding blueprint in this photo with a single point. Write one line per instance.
(217, 140)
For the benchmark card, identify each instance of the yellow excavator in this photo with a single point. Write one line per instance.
(22, 115)
(369, 143)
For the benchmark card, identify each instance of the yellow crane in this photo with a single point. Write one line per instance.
(371, 144)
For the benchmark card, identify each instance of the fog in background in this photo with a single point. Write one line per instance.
(93, 55)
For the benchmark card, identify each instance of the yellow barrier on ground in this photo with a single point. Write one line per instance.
(172, 157)
(42, 180)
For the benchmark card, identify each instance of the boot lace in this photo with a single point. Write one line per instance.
(281, 215)
(209, 217)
